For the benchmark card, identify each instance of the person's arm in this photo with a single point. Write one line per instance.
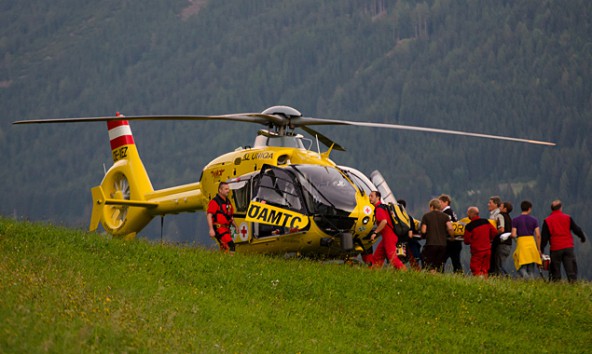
(537, 237)
(545, 236)
(412, 229)
(424, 230)
(514, 232)
(501, 224)
(449, 229)
(577, 230)
(379, 228)
(232, 222)
(211, 225)
(492, 233)
(467, 237)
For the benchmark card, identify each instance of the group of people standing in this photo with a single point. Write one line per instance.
(490, 239)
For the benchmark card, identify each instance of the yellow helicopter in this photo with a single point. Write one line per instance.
(287, 197)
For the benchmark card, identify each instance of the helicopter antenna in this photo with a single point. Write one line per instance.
(318, 146)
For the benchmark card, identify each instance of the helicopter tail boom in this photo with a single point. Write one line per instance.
(183, 198)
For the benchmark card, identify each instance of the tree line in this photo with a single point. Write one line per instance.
(510, 68)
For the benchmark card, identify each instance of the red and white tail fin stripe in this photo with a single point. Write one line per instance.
(120, 133)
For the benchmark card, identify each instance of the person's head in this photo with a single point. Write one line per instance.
(494, 202)
(445, 200)
(506, 207)
(473, 212)
(435, 204)
(525, 206)
(403, 202)
(556, 205)
(223, 189)
(374, 197)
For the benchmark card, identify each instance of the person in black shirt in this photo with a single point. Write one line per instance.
(436, 229)
(453, 246)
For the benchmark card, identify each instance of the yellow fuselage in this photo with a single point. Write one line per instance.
(143, 203)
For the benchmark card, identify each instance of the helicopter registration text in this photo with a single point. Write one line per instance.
(271, 215)
(120, 153)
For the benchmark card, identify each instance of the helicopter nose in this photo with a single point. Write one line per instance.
(363, 216)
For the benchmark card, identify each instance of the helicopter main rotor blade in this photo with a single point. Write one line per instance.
(264, 119)
(282, 117)
(305, 121)
(323, 139)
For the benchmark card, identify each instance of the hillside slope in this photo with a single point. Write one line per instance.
(69, 292)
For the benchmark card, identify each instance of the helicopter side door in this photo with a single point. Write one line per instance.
(241, 196)
(278, 188)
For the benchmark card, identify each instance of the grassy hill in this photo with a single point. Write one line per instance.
(69, 291)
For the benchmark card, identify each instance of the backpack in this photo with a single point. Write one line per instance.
(400, 219)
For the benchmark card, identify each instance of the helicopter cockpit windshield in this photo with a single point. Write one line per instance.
(310, 189)
(326, 190)
(360, 180)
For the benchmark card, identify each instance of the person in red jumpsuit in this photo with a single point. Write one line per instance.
(479, 233)
(220, 218)
(387, 248)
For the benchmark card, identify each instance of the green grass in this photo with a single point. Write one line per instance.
(67, 291)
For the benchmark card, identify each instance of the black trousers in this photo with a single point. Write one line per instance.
(453, 249)
(498, 258)
(566, 257)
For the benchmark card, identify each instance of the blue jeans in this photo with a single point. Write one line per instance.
(527, 271)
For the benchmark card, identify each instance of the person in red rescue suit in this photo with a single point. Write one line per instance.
(479, 233)
(220, 218)
(557, 229)
(387, 248)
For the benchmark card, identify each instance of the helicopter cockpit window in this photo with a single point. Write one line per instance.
(326, 190)
(359, 179)
(277, 188)
(241, 194)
